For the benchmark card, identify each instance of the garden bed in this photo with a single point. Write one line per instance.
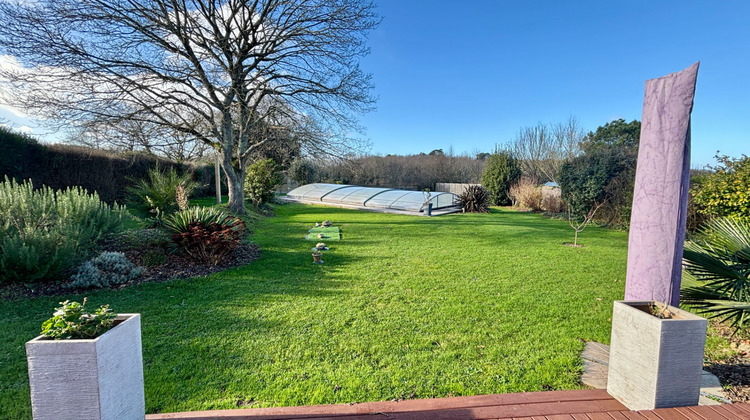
(730, 362)
(175, 266)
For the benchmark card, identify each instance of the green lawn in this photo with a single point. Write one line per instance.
(404, 307)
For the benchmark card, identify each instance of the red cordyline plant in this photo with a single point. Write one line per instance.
(205, 234)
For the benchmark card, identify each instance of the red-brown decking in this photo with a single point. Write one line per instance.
(594, 404)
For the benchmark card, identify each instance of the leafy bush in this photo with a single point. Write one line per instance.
(261, 179)
(107, 269)
(697, 215)
(500, 172)
(36, 256)
(726, 193)
(206, 234)
(526, 193)
(158, 194)
(716, 263)
(475, 199)
(71, 321)
(46, 233)
(585, 180)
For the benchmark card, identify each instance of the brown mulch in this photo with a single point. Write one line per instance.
(734, 371)
(176, 266)
(180, 266)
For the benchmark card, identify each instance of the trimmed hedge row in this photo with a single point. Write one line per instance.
(60, 166)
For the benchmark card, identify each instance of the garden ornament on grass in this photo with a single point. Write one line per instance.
(317, 255)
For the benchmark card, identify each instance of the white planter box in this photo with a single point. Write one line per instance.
(97, 379)
(653, 362)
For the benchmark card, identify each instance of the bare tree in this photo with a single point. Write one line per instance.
(542, 149)
(579, 222)
(531, 147)
(134, 135)
(242, 68)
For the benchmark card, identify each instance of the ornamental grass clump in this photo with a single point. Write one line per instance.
(205, 234)
(46, 233)
(71, 321)
(158, 195)
(526, 194)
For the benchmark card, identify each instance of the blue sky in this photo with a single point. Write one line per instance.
(469, 74)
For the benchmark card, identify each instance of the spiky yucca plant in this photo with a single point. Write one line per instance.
(717, 264)
(475, 199)
(179, 222)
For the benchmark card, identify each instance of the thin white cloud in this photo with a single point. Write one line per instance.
(15, 111)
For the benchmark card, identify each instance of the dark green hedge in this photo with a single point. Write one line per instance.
(61, 166)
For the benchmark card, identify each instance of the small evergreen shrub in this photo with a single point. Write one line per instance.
(527, 194)
(46, 233)
(36, 256)
(107, 269)
(262, 178)
(500, 172)
(601, 178)
(205, 234)
(71, 321)
(475, 199)
(157, 195)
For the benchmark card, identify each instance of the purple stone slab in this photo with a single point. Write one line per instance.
(657, 222)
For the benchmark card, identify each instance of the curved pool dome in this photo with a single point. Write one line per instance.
(376, 199)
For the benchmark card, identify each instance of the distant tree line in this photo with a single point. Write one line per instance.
(419, 172)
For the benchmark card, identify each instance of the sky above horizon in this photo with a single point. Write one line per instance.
(468, 75)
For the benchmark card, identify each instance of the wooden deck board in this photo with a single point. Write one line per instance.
(591, 404)
(703, 413)
(632, 415)
(669, 414)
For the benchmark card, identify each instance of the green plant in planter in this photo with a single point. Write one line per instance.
(71, 321)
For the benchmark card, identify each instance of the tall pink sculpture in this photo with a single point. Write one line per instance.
(657, 222)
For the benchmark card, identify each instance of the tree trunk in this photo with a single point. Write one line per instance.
(235, 184)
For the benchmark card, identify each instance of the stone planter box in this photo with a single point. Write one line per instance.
(99, 379)
(653, 362)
